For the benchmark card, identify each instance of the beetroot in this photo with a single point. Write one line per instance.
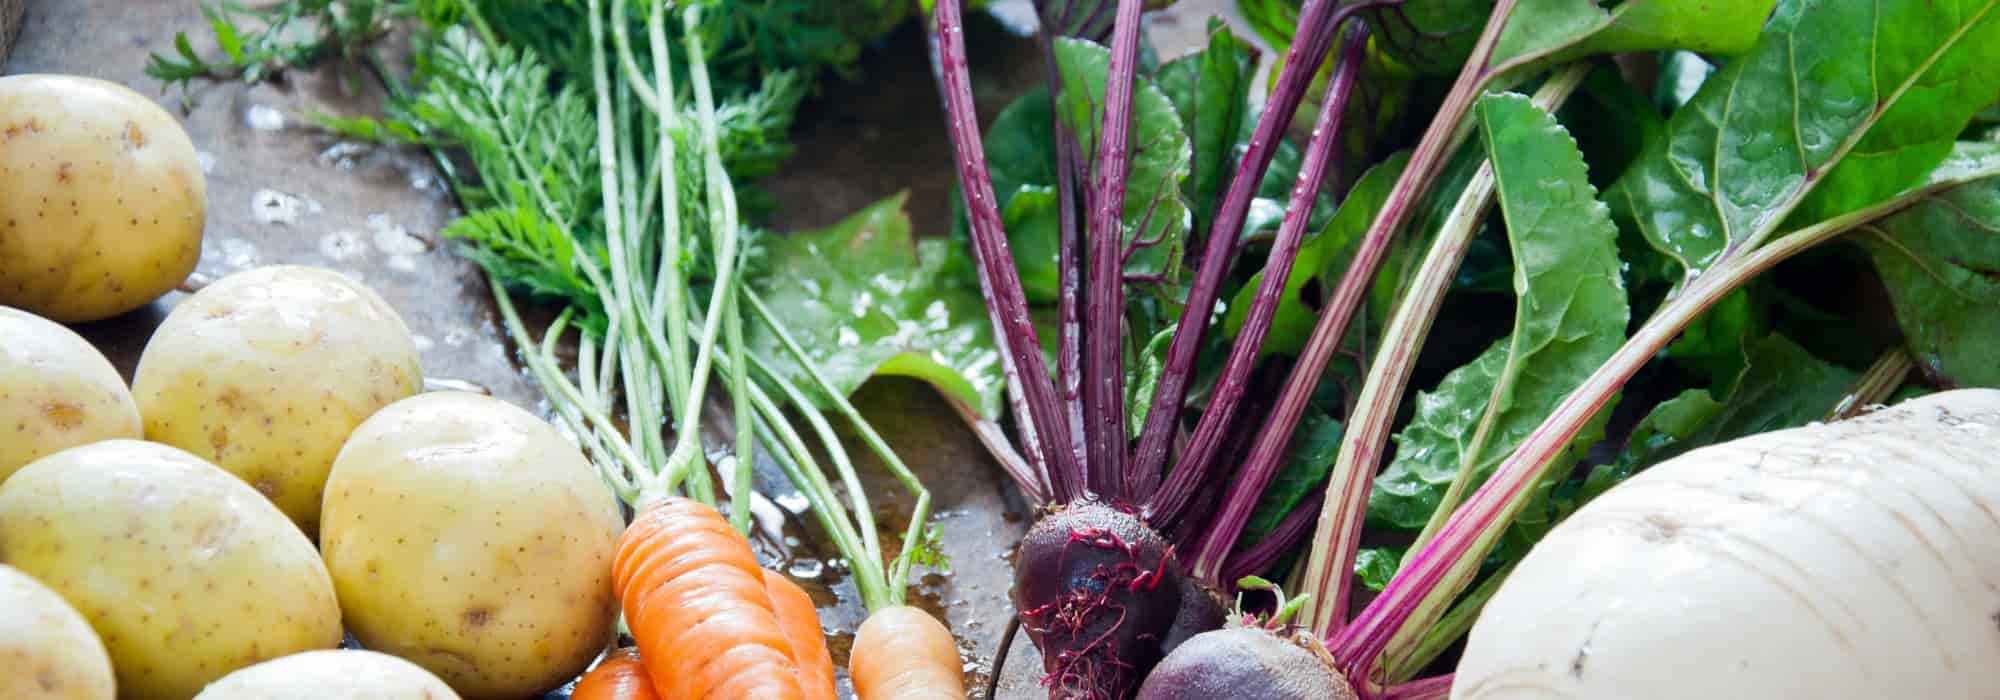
(1099, 593)
(1247, 662)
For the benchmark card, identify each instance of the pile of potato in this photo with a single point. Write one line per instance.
(273, 479)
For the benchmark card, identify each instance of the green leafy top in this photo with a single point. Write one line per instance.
(864, 298)
(1570, 317)
(1798, 116)
(1940, 261)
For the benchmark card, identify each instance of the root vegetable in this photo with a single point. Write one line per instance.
(468, 536)
(620, 676)
(56, 392)
(1098, 591)
(330, 674)
(1855, 559)
(1249, 662)
(702, 612)
(902, 653)
(49, 650)
(266, 372)
(102, 201)
(186, 573)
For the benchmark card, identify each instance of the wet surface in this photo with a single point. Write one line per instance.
(280, 193)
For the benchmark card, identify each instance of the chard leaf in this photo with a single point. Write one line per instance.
(1033, 217)
(1661, 432)
(1144, 380)
(1208, 90)
(1436, 36)
(1554, 30)
(1570, 316)
(864, 299)
(1325, 253)
(1940, 260)
(1782, 387)
(1801, 127)
(1160, 154)
(1376, 565)
(1307, 462)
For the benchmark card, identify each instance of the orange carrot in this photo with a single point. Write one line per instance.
(902, 653)
(620, 676)
(800, 621)
(701, 612)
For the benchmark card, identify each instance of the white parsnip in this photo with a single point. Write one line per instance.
(1857, 559)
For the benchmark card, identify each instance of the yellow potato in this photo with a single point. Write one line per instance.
(266, 371)
(56, 392)
(330, 674)
(102, 200)
(185, 572)
(466, 535)
(47, 651)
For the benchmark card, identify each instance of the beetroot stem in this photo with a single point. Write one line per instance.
(1479, 522)
(1433, 688)
(1260, 556)
(1006, 304)
(1318, 20)
(1221, 534)
(1368, 425)
(1104, 310)
(1069, 253)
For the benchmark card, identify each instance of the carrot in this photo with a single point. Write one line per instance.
(902, 653)
(620, 676)
(800, 621)
(700, 610)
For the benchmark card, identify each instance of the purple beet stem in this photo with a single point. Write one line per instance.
(1103, 312)
(1265, 552)
(1006, 304)
(1069, 348)
(1433, 688)
(1223, 530)
(1302, 60)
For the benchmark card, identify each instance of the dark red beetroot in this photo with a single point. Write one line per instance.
(1099, 593)
(1247, 662)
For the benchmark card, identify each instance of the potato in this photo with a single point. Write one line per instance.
(56, 392)
(266, 371)
(102, 200)
(466, 535)
(47, 649)
(330, 674)
(185, 572)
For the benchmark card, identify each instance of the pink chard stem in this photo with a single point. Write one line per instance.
(1223, 531)
(1478, 523)
(1007, 305)
(1318, 20)
(1104, 312)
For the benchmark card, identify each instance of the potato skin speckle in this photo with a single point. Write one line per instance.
(102, 200)
(265, 373)
(56, 392)
(47, 649)
(184, 572)
(468, 536)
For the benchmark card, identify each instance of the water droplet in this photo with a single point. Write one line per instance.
(795, 502)
(342, 154)
(206, 161)
(342, 245)
(264, 118)
(270, 206)
(806, 569)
